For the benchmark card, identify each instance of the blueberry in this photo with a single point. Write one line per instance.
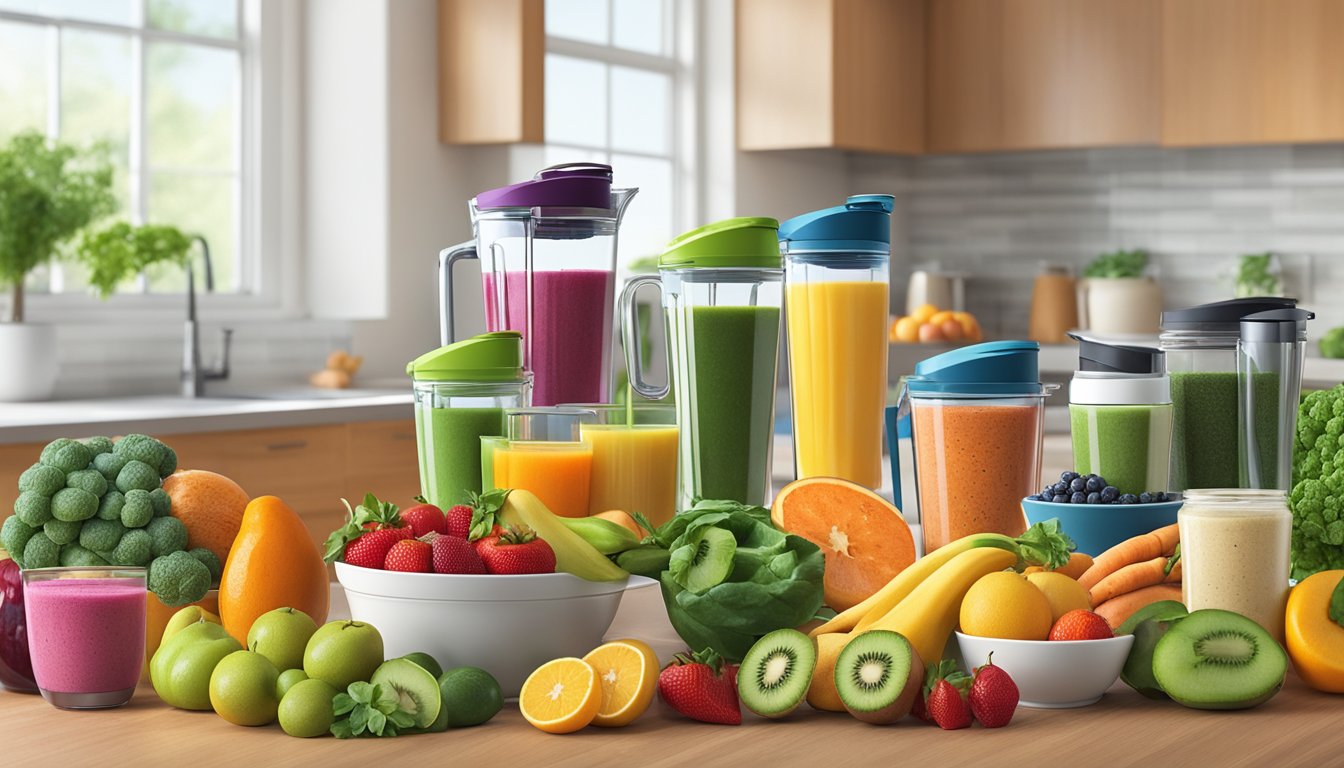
(1109, 494)
(1160, 497)
(1129, 498)
(1058, 488)
(1078, 485)
(1067, 477)
(1145, 498)
(1095, 484)
(1060, 498)
(1078, 497)
(1094, 497)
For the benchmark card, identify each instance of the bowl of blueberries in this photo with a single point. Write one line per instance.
(1097, 515)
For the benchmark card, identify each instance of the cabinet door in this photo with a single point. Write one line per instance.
(1252, 71)
(383, 458)
(965, 88)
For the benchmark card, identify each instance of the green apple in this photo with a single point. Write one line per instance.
(306, 711)
(181, 668)
(287, 680)
(281, 635)
(343, 652)
(242, 689)
(184, 618)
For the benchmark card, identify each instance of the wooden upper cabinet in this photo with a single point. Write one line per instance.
(847, 74)
(1042, 74)
(1252, 71)
(491, 71)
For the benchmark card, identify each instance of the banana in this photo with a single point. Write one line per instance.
(606, 537)
(572, 553)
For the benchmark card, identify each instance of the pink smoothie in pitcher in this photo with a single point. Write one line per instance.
(86, 635)
(570, 331)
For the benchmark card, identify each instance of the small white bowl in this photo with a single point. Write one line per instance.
(507, 625)
(1052, 674)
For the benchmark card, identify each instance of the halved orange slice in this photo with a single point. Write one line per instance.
(561, 696)
(628, 673)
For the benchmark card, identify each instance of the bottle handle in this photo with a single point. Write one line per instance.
(892, 418)
(448, 258)
(630, 335)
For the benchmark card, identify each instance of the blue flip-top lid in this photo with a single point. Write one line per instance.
(991, 368)
(863, 223)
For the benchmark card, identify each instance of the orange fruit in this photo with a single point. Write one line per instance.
(907, 330)
(970, 327)
(1063, 593)
(929, 332)
(863, 537)
(1315, 642)
(623, 519)
(951, 330)
(1005, 605)
(939, 318)
(628, 672)
(561, 696)
(210, 505)
(273, 563)
(923, 312)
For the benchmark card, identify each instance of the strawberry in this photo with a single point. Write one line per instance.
(701, 688)
(490, 538)
(993, 696)
(370, 515)
(458, 521)
(517, 550)
(370, 549)
(1080, 624)
(944, 693)
(408, 555)
(424, 518)
(451, 554)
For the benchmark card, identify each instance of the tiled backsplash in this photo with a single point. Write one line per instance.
(996, 217)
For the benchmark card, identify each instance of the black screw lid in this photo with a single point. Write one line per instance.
(1094, 355)
(1276, 325)
(1221, 315)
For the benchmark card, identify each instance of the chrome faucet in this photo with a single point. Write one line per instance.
(193, 375)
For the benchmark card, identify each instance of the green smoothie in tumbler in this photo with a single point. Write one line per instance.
(450, 450)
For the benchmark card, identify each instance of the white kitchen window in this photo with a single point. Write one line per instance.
(618, 90)
(174, 88)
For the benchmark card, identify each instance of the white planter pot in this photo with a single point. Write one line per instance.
(27, 361)
(1120, 305)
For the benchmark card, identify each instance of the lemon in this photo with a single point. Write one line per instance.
(628, 672)
(1007, 606)
(561, 696)
(1063, 593)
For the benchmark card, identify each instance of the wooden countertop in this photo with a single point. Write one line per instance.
(1298, 727)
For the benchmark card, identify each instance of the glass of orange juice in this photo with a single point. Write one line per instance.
(544, 452)
(634, 459)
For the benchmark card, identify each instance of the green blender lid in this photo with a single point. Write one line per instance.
(488, 357)
(751, 241)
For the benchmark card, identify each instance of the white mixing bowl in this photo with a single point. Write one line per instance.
(1052, 674)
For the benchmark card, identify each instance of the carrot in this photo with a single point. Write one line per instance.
(1117, 609)
(1130, 578)
(1136, 550)
(1078, 564)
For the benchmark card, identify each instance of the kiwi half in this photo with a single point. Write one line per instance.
(775, 674)
(878, 676)
(1148, 625)
(1216, 659)
(417, 690)
(705, 560)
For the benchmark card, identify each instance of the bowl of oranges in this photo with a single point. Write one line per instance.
(931, 325)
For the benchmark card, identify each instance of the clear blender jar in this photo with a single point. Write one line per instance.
(722, 288)
(1269, 385)
(547, 248)
(837, 293)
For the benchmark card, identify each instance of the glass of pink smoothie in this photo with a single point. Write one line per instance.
(86, 633)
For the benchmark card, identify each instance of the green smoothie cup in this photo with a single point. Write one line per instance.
(461, 391)
(722, 287)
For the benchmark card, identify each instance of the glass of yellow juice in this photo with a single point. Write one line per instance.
(634, 459)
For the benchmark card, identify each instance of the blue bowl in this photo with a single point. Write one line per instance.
(1096, 528)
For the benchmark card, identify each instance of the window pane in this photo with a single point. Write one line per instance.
(648, 223)
(638, 25)
(108, 11)
(576, 101)
(584, 20)
(217, 18)
(96, 72)
(192, 103)
(640, 106)
(198, 205)
(23, 78)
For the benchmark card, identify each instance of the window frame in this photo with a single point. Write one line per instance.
(265, 196)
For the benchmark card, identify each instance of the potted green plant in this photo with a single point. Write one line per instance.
(1117, 296)
(1258, 274)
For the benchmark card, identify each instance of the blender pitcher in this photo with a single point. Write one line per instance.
(722, 290)
(548, 267)
(1269, 385)
(837, 294)
(977, 416)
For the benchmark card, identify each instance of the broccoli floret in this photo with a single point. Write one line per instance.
(98, 445)
(210, 561)
(142, 448)
(73, 505)
(109, 465)
(169, 464)
(111, 505)
(163, 503)
(41, 552)
(178, 579)
(90, 480)
(135, 548)
(1317, 496)
(14, 536)
(1332, 343)
(42, 479)
(137, 510)
(66, 455)
(101, 535)
(61, 531)
(33, 508)
(137, 475)
(168, 535)
(76, 556)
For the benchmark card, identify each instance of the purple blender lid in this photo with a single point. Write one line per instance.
(570, 185)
